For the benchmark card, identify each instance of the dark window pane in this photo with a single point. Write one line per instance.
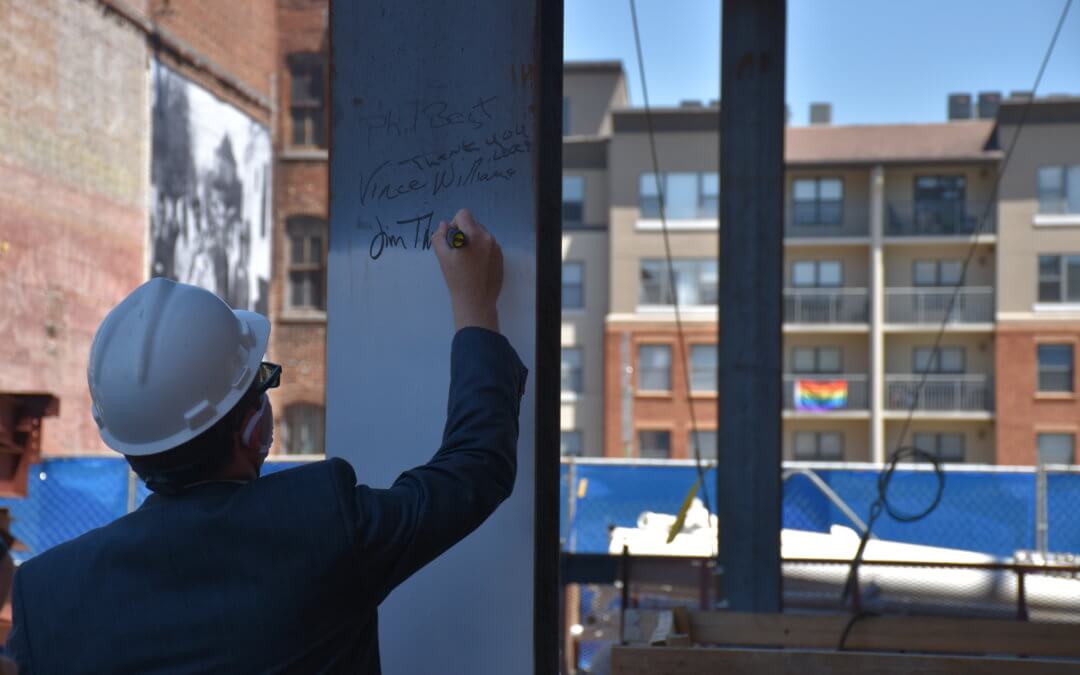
(571, 372)
(803, 360)
(1072, 279)
(831, 446)
(296, 248)
(1055, 368)
(654, 368)
(829, 360)
(703, 366)
(1056, 448)
(1049, 291)
(950, 447)
(654, 444)
(570, 443)
(315, 247)
(706, 444)
(304, 429)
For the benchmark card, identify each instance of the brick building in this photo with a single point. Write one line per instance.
(124, 124)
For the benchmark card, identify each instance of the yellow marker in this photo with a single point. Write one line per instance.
(456, 238)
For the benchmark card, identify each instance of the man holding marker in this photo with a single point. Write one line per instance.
(221, 571)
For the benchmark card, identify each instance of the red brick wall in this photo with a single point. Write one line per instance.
(237, 36)
(73, 185)
(298, 341)
(74, 172)
(670, 411)
(1022, 412)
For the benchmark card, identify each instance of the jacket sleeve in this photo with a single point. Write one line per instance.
(18, 641)
(430, 508)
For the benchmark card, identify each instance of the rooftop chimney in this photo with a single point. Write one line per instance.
(959, 107)
(989, 102)
(820, 113)
(1020, 95)
(690, 103)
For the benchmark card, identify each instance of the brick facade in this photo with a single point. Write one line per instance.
(668, 411)
(74, 111)
(301, 190)
(1023, 412)
(74, 169)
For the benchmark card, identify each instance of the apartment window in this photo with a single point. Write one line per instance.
(565, 115)
(703, 365)
(938, 272)
(1056, 368)
(570, 443)
(816, 360)
(654, 368)
(572, 378)
(706, 443)
(1059, 189)
(303, 429)
(697, 282)
(817, 274)
(307, 100)
(654, 444)
(826, 446)
(942, 360)
(687, 195)
(573, 200)
(307, 263)
(1056, 449)
(947, 447)
(939, 202)
(818, 201)
(1059, 278)
(573, 285)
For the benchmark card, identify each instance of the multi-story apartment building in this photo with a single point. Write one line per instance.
(881, 223)
(1038, 311)
(592, 90)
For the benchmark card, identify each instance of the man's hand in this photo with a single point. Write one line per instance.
(473, 273)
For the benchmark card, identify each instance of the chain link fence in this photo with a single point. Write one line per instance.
(1011, 521)
(69, 496)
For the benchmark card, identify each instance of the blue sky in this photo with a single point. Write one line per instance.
(876, 61)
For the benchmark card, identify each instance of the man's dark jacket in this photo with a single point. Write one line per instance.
(281, 574)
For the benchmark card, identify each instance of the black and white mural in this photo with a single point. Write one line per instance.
(210, 211)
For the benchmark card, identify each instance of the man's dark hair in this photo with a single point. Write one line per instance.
(200, 458)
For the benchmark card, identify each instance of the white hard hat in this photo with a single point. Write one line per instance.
(167, 363)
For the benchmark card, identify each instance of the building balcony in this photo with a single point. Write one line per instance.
(938, 218)
(819, 221)
(940, 393)
(972, 305)
(825, 394)
(824, 306)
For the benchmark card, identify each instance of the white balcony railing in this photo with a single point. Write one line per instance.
(940, 393)
(931, 305)
(826, 305)
(826, 393)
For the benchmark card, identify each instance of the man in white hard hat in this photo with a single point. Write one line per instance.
(220, 573)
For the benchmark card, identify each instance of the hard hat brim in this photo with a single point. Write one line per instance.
(260, 330)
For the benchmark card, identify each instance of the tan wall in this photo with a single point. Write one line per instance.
(978, 348)
(1020, 240)
(979, 441)
(629, 158)
(596, 194)
(856, 217)
(584, 328)
(855, 261)
(856, 350)
(900, 263)
(592, 97)
(856, 436)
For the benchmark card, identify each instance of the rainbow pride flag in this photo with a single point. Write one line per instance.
(817, 395)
